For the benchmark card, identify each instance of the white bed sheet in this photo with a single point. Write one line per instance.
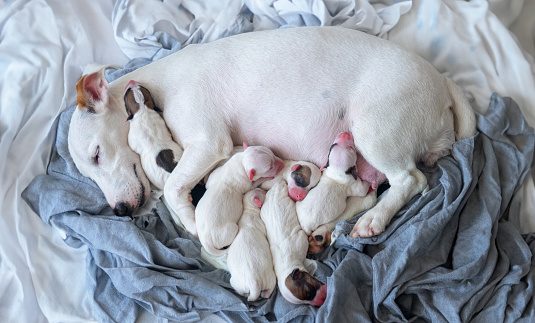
(45, 45)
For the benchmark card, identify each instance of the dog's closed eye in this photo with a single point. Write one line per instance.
(96, 156)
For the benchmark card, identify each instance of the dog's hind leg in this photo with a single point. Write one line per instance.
(404, 185)
(197, 160)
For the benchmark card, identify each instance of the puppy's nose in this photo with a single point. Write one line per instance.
(123, 209)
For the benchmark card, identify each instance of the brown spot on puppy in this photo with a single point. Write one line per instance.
(132, 107)
(352, 171)
(166, 160)
(301, 176)
(302, 285)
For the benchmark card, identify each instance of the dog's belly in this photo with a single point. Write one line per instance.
(267, 91)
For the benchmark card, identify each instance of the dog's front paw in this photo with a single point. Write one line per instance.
(317, 243)
(366, 227)
(184, 217)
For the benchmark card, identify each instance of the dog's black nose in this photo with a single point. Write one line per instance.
(123, 209)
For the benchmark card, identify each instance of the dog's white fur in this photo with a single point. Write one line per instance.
(292, 90)
(327, 201)
(148, 136)
(220, 208)
(249, 256)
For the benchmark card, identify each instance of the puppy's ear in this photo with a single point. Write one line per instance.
(296, 274)
(92, 92)
(252, 172)
(353, 171)
(257, 202)
(245, 146)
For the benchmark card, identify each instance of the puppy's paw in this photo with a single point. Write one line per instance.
(317, 242)
(319, 239)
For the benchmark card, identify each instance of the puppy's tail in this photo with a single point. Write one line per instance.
(463, 115)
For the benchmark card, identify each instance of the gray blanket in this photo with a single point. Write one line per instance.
(451, 255)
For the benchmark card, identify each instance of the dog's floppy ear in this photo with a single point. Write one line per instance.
(92, 89)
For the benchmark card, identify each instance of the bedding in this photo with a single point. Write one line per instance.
(461, 252)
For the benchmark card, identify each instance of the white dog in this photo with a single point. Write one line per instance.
(278, 89)
(149, 135)
(221, 206)
(249, 257)
(289, 244)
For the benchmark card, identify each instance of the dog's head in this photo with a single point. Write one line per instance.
(300, 287)
(302, 177)
(98, 143)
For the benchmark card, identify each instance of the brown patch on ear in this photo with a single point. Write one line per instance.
(149, 102)
(81, 97)
(301, 176)
(130, 104)
(302, 285)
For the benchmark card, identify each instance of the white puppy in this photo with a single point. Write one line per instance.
(301, 176)
(149, 136)
(326, 202)
(219, 210)
(249, 257)
(289, 246)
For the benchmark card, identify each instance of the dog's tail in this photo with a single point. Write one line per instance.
(464, 118)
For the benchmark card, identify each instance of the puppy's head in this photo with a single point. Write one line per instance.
(260, 162)
(343, 154)
(301, 288)
(137, 97)
(98, 144)
(302, 178)
(254, 198)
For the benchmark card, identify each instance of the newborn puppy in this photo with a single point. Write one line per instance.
(219, 210)
(326, 202)
(149, 136)
(289, 246)
(249, 257)
(301, 176)
(320, 238)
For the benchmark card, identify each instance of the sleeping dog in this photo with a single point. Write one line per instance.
(291, 90)
(220, 208)
(289, 244)
(149, 136)
(249, 258)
